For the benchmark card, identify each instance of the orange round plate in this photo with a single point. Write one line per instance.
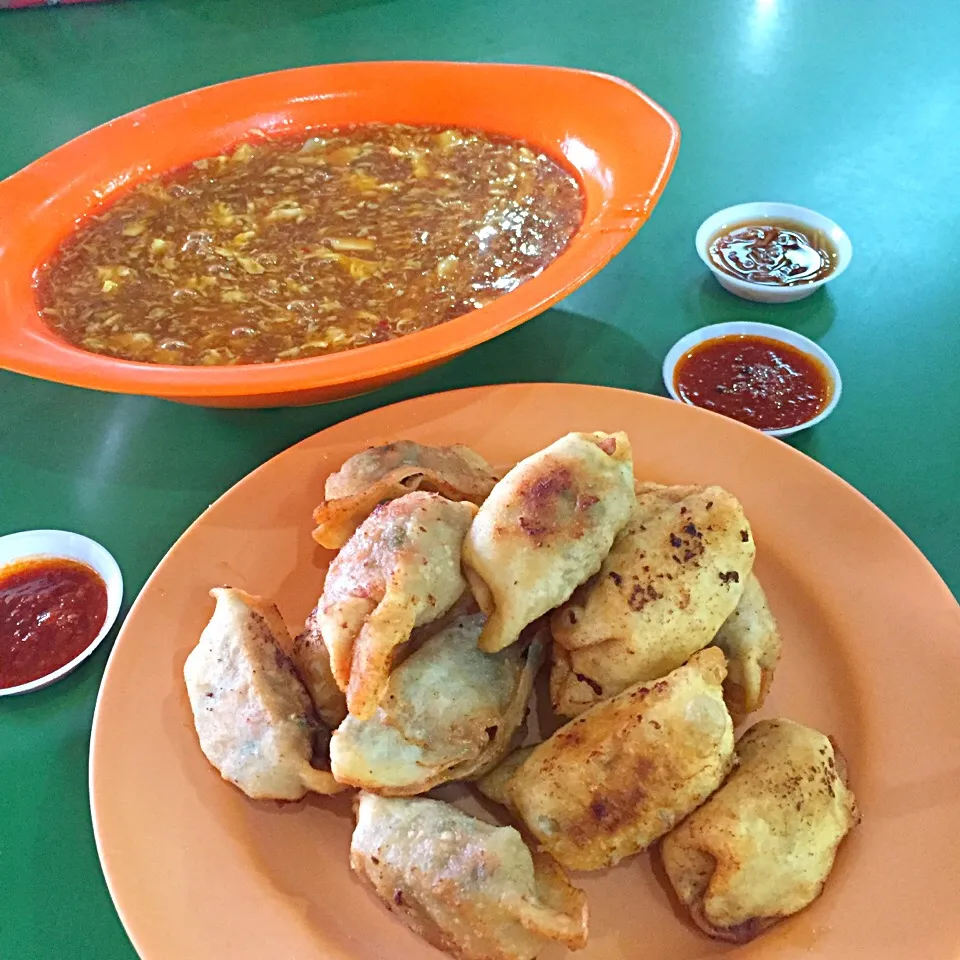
(872, 656)
(620, 143)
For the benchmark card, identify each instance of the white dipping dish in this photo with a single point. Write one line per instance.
(62, 545)
(744, 328)
(771, 292)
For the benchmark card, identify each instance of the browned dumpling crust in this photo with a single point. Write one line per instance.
(312, 660)
(399, 570)
(675, 573)
(545, 528)
(609, 783)
(469, 888)
(449, 713)
(387, 472)
(761, 848)
(253, 717)
(751, 642)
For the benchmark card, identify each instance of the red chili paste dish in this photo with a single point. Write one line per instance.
(60, 593)
(51, 610)
(764, 376)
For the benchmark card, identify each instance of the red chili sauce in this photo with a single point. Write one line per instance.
(761, 382)
(51, 610)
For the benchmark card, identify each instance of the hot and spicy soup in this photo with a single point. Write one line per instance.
(285, 249)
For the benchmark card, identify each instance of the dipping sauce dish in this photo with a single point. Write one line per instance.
(60, 594)
(772, 252)
(765, 376)
(52, 609)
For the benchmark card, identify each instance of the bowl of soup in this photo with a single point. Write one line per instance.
(310, 234)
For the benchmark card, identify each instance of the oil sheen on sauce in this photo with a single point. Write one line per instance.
(761, 382)
(51, 610)
(781, 252)
(286, 249)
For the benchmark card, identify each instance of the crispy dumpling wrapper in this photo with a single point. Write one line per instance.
(253, 717)
(399, 570)
(495, 785)
(611, 782)
(545, 528)
(449, 713)
(674, 575)
(312, 661)
(762, 847)
(469, 888)
(751, 642)
(390, 471)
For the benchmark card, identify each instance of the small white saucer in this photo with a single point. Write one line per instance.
(771, 292)
(740, 328)
(39, 544)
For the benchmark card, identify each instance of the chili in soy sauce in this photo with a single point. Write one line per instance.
(51, 610)
(781, 252)
(761, 382)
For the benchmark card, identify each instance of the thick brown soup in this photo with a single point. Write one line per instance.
(280, 249)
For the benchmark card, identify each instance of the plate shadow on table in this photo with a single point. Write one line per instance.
(112, 440)
(812, 317)
(557, 346)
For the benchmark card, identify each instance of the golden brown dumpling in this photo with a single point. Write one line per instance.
(545, 528)
(253, 717)
(762, 847)
(399, 570)
(750, 640)
(469, 888)
(312, 661)
(449, 713)
(609, 783)
(673, 576)
(390, 471)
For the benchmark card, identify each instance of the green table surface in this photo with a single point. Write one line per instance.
(851, 108)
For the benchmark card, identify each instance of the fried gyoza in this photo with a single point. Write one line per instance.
(762, 847)
(254, 719)
(400, 570)
(449, 713)
(545, 528)
(609, 783)
(469, 888)
(673, 576)
(388, 472)
(751, 642)
(312, 660)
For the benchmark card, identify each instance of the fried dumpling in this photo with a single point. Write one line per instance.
(390, 471)
(545, 528)
(254, 719)
(495, 785)
(312, 661)
(673, 576)
(399, 570)
(609, 783)
(449, 713)
(750, 640)
(469, 888)
(762, 847)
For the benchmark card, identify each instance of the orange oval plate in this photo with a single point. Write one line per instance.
(621, 144)
(872, 656)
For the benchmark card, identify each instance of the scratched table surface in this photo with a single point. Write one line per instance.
(849, 108)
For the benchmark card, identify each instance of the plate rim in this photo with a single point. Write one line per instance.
(475, 391)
